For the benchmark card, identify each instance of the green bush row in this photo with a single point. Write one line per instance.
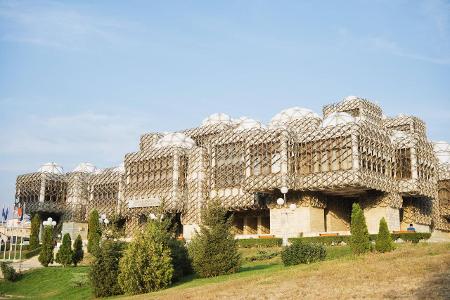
(31, 253)
(259, 243)
(303, 253)
(329, 240)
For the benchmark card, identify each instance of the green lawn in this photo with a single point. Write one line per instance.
(48, 283)
(58, 282)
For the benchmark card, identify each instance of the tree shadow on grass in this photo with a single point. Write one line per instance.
(438, 287)
(255, 268)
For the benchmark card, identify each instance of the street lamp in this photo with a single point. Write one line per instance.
(49, 222)
(292, 208)
(103, 220)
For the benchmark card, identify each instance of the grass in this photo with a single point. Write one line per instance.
(411, 271)
(48, 283)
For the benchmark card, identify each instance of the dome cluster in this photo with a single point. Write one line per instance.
(52, 168)
(337, 118)
(175, 139)
(292, 114)
(85, 167)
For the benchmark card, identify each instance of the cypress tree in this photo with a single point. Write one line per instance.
(34, 235)
(359, 240)
(384, 240)
(46, 253)
(94, 232)
(64, 255)
(214, 250)
(78, 253)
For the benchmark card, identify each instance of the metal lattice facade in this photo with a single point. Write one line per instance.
(353, 152)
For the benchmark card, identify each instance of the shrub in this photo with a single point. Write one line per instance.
(303, 253)
(146, 265)
(31, 253)
(214, 250)
(262, 255)
(259, 243)
(34, 235)
(46, 253)
(105, 269)
(78, 253)
(359, 240)
(64, 255)
(8, 271)
(180, 259)
(324, 240)
(384, 242)
(94, 233)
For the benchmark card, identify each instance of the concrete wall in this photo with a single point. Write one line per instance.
(75, 229)
(302, 220)
(373, 216)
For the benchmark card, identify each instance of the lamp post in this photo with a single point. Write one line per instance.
(292, 207)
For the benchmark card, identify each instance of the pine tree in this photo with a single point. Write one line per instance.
(94, 232)
(78, 253)
(359, 240)
(46, 253)
(105, 269)
(214, 250)
(384, 240)
(149, 252)
(64, 255)
(34, 235)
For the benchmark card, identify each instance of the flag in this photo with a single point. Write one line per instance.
(3, 213)
(20, 213)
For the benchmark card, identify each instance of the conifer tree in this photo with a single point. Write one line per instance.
(359, 240)
(34, 235)
(214, 250)
(46, 253)
(78, 253)
(64, 255)
(150, 253)
(384, 241)
(94, 232)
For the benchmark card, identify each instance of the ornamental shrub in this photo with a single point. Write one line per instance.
(384, 241)
(259, 243)
(94, 232)
(359, 240)
(214, 251)
(105, 269)
(64, 255)
(303, 253)
(34, 235)
(9, 273)
(78, 253)
(46, 253)
(180, 259)
(146, 265)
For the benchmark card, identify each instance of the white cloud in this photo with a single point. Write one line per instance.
(55, 25)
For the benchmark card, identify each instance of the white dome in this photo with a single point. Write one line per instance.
(217, 118)
(120, 168)
(291, 114)
(337, 118)
(52, 168)
(442, 150)
(350, 98)
(85, 168)
(247, 124)
(176, 139)
(239, 120)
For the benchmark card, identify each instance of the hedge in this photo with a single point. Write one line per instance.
(259, 243)
(329, 240)
(31, 253)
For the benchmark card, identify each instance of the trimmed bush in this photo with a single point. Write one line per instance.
(46, 253)
(94, 232)
(411, 237)
(64, 255)
(78, 253)
(324, 240)
(384, 242)
(214, 251)
(262, 255)
(146, 265)
(303, 253)
(259, 243)
(359, 240)
(180, 259)
(31, 253)
(34, 235)
(9, 273)
(105, 269)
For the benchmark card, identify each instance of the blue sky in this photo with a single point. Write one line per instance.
(80, 81)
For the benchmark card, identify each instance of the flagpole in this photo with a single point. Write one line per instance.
(22, 233)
